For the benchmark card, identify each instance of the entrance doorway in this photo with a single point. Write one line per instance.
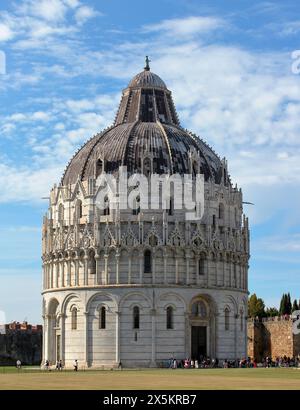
(199, 347)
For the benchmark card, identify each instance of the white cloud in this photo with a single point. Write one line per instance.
(50, 10)
(36, 23)
(40, 116)
(85, 13)
(27, 184)
(290, 29)
(185, 27)
(5, 32)
(280, 243)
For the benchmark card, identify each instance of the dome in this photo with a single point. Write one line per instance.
(147, 79)
(126, 144)
(146, 125)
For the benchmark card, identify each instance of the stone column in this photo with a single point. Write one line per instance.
(106, 268)
(62, 337)
(153, 344)
(76, 262)
(62, 279)
(141, 258)
(44, 275)
(86, 339)
(56, 272)
(51, 274)
(45, 339)
(165, 268)
(117, 268)
(188, 351)
(48, 275)
(207, 269)
(129, 269)
(153, 268)
(176, 270)
(85, 272)
(97, 279)
(118, 353)
(47, 334)
(235, 319)
(68, 271)
(187, 268)
(197, 258)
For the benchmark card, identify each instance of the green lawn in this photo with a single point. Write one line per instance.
(260, 379)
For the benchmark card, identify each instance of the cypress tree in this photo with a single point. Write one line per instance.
(281, 308)
(295, 306)
(288, 305)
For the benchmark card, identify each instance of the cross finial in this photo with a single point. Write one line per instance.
(147, 66)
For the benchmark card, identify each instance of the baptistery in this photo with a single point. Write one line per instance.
(133, 286)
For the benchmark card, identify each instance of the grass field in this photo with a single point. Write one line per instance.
(259, 379)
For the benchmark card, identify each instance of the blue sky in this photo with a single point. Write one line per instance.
(229, 66)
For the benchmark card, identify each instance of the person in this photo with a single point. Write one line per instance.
(57, 365)
(19, 364)
(47, 365)
(60, 365)
(75, 365)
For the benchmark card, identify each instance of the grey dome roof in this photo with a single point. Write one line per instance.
(146, 125)
(125, 144)
(147, 79)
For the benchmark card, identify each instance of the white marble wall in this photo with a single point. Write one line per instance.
(152, 343)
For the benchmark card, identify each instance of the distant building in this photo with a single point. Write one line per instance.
(21, 341)
(272, 337)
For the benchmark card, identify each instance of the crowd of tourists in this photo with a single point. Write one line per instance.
(208, 363)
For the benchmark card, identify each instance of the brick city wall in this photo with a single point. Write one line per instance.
(272, 337)
(21, 342)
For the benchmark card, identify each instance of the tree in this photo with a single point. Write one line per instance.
(285, 305)
(288, 305)
(256, 306)
(295, 306)
(282, 304)
(272, 311)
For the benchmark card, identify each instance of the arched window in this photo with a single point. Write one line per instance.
(221, 211)
(171, 207)
(153, 240)
(201, 266)
(106, 206)
(169, 317)
(195, 168)
(92, 263)
(102, 318)
(136, 317)
(74, 318)
(136, 206)
(226, 316)
(61, 213)
(99, 167)
(78, 209)
(147, 167)
(199, 309)
(147, 261)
